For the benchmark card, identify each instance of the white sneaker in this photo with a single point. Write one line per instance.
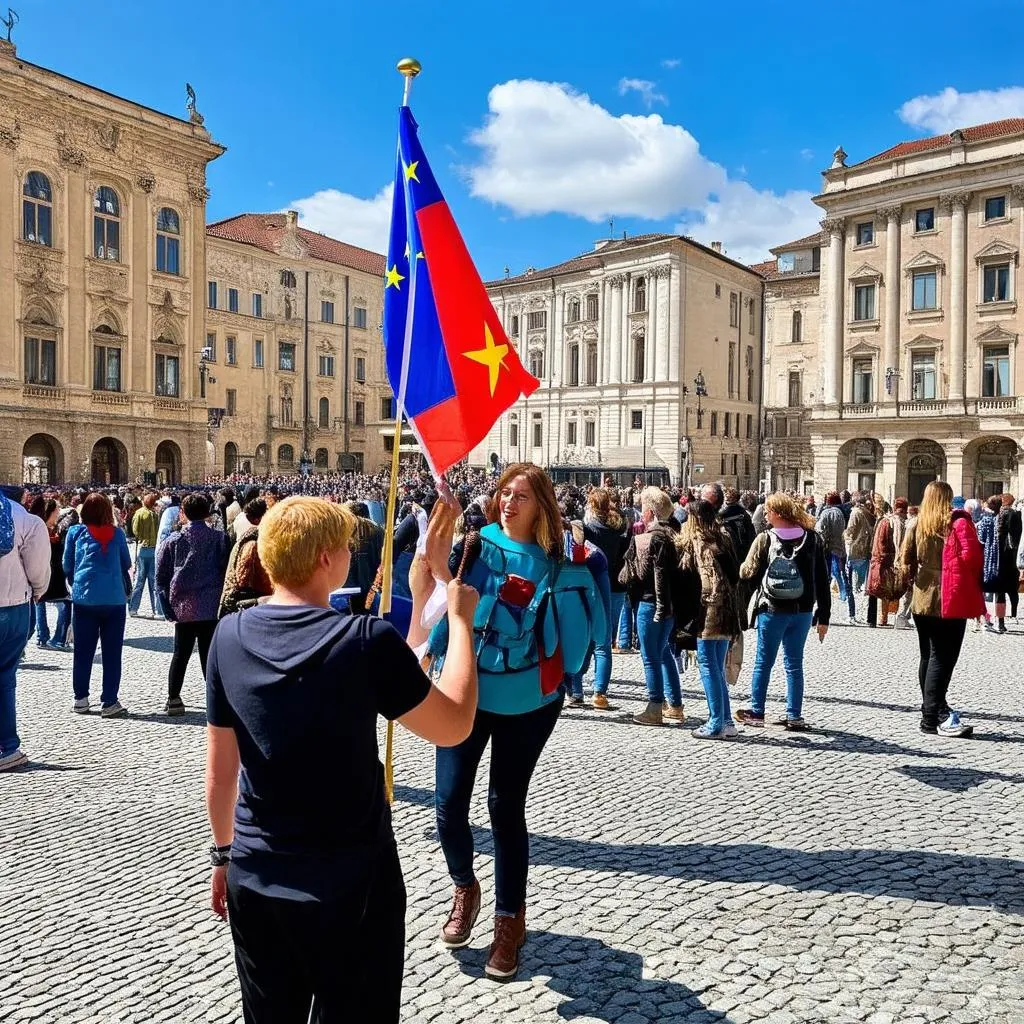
(952, 726)
(114, 710)
(730, 730)
(16, 759)
(81, 706)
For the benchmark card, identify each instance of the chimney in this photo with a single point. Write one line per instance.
(291, 219)
(717, 246)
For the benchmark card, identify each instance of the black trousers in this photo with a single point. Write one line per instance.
(186, 636)
(940, 641)
(343, 957)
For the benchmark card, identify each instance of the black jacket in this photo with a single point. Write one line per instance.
(613, 543)
(740, 528)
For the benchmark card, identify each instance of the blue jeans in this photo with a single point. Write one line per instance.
(603, 653)
(661, 674)
(14, 629)
(400, 575)
(516, 745)
(102, 623)
(837, 567)
(855, 568)
(600, 653)
(60, 635)
(775, 629)
(145, 577)
(627, 624)
(711, 662)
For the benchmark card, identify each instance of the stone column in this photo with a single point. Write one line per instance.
(673, 321)
(956, 203)
(892, 216)
(602, 332)
(615, 349)
(832, 329)
(652, 340)
(955, 466)
(555, 318)
(660, 313)
(10, 229)
(887, 485)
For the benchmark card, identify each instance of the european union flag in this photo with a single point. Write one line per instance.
(448, 359)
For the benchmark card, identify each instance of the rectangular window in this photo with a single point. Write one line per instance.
(538, 431)
(211, 294)
(359, 316)
(591, 367)
(211, 345)
(389, 443)
(782, 427)
(726, 432)
(327, 312)
(570, 432)
(995, 207)
(590, 433)
(750, 373)
(537, 320)
(732, 366)
(723, 465)
(360, 369)
(995, 378)
(387, 408)
(257, 304)
(286, 356)
(735, 459)
(794, 389)
(591, 307)
(866, 233)
(863, 383)
(513, 435)
(231, 401)
(325, 367)
(106, 373)
(864, 302)
(922, 365)
(924, 291)
(513, 331)
(231, 350)
(924, 219)
(751, 306)
(997, 283)
(574, 365)
(167, 379)
(232, 300)
(41, 361)
(636, 419)
(257, 353)
(360, 413)
(750, 427)
(734, 310)
(167, 254)
(714, 424)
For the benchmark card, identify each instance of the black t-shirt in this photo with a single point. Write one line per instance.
(302, 688)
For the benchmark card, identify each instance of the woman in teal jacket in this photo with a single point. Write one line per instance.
(538, 618)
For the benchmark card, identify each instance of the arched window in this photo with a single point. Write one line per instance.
(168, 241)
(106, 224)
(324, 413)
(37, 209)
(798, 327)
(574, 311)
(320, 458)
(285, 455)
(640, 296)
(639, 359)
(287, 278)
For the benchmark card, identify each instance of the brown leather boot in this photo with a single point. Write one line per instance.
(458, 929)
(509, 938)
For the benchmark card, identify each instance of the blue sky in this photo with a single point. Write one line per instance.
(543, 121)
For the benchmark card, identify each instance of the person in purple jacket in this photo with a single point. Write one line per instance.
(190, 578)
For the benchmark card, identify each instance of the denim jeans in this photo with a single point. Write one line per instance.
(102, 623)
(603, 653)
(856, 575)
(60, 634)
(788, 630)
(661, 674)
(400, 575)
(627, 624)
(837, 567)
(14, 627)
(145, 577)
(516, 745)
(711, 662)
(600, 653)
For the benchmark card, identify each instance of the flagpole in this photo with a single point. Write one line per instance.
(409, 68)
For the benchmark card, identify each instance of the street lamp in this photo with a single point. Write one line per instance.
(204, 371)
(701, 391)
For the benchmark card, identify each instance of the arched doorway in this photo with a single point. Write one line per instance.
(109, 462)
(918, 463)
(990, 466)
(42, 460)
(859, 465)
(321, 459)
(230, 458)
(168, 463)
(262, 460)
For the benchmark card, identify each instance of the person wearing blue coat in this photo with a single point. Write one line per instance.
(96, 564)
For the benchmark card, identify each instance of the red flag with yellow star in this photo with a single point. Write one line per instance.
(449, 360)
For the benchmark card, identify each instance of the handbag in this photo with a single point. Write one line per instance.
(126, 579)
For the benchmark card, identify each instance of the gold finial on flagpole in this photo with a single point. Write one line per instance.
(410, 67)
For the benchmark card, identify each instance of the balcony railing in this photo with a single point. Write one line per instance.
(280, 423)
(111, 398)
(46, 392)
(860, 409)
(924, 407)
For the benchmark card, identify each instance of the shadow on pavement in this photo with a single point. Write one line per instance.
(882, 706)
(43, 766)
(189, 718)
(949, 878)
(163, 644)
(602, 983)
(955, 780)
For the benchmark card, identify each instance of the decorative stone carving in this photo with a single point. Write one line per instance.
(832, 226)
(108, 136)
(616, 279)
(106, 278)
(146, 181)
(198, 193)
(9, 137)
(951, 199)
(838, 158)
(892, 212)
(69, 155)
(1016, 189)
(663, 270)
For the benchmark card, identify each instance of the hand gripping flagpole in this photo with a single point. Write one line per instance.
(409, 68)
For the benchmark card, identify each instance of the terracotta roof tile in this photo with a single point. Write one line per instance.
(766, 269)
(808, 241)
(266, 231)
(976, 133)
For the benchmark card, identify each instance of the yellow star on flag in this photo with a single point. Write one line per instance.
(393, 277)
(419, 255)
(492, 356)
(410, 171)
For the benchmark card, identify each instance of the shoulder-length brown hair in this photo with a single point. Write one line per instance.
(96, 510)
(548, 529)
(599, 502)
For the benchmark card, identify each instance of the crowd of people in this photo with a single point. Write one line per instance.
(515, 589)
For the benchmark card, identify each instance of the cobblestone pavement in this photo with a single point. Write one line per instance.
(860, 872)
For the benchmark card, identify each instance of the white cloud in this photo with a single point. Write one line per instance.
(943, 111)
(807, 154)
(671, 63)
(352, 219)
(549, 149)
(648, 90)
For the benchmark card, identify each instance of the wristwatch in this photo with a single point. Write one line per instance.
(220, 855)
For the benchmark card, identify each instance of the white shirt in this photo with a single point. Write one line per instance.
(25, 569)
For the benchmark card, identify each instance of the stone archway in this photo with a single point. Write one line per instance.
(168, 464)
(859, 465)
(990, 466)
(109, 462)
(42, 460)
(230, 458)
(918, 463)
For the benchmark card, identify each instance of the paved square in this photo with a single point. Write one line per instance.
(861, 872)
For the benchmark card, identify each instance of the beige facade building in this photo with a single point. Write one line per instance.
(618, 338)
(918, 375)
(294, 363)
(102, 257)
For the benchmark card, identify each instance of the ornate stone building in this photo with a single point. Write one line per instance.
(102, 256)
(275, 292)
(919, 374)
(618, 338)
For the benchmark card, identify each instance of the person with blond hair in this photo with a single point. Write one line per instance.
(788, 566)
(306, 868)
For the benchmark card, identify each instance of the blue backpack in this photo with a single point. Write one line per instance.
(6, 526)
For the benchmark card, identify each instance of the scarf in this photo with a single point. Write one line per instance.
(103, 535)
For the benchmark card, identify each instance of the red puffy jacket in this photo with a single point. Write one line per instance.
(962, 564)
